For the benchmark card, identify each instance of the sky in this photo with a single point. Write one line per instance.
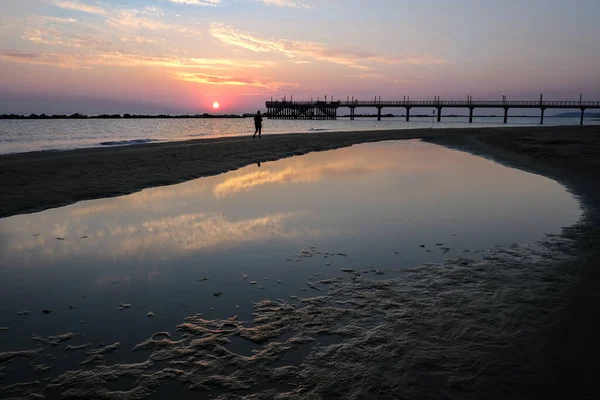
(182, 56)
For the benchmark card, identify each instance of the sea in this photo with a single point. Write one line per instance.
(18, 136)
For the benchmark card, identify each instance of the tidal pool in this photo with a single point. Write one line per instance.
(215, 246)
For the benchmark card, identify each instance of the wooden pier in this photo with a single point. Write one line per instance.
(282, 109)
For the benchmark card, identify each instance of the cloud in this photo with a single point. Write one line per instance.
(214, 3)
(153, 11)
(79, 6)
(117, 26)
(54, 59)
(299, 51)
(198, 231)
(89, 41)
(48, 19)
(40, 36)
(209, 3)
(190, 232)
(325, 166)
(68, 32)
(134, 20)
(138, 40)
(82, 61)
(123, 59)
(284, 3)
(301, 172)
(129, 19)
(231, 81)
(216, 63)
(52, 36)
(144, 200)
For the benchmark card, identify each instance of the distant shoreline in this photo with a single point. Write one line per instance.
(235, 116)
(116, 116)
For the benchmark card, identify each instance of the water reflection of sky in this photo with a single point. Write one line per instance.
(376, 203)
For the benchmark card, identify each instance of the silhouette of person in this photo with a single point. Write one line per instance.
(257, 124)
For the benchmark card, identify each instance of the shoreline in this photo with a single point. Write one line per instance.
(148, 133)
(566, 352)
(35, 181)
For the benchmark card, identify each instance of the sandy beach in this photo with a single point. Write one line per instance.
(560, 357)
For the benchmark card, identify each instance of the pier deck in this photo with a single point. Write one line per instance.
(281, 109)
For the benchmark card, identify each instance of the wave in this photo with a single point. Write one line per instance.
(126, 142)
(318, 129)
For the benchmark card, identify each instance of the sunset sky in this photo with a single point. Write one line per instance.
(181, 56)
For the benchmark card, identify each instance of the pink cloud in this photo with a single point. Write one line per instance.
(302, 50)
(231, 81)
(79, 6)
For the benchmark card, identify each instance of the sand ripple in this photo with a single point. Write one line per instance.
(438, 330)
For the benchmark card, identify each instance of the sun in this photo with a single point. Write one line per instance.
(215, 105)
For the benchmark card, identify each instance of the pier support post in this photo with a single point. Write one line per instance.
(505, 115)
(581, 119)
(542, 117)
(407, 114)
(351, 113)
(439, 114)
(378, 113)
(470, 115)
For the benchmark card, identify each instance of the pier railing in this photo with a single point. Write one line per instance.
(436, 103)
(282, 109)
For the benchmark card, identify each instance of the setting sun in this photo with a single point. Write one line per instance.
(215, 105)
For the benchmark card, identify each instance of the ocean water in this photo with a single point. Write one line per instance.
(18, 136)
(213, 248)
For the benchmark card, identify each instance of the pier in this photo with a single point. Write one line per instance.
(283, 109)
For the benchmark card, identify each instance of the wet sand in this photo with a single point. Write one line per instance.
(572, 157)
(559, 356)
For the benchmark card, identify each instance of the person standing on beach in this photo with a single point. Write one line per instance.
(257, 124)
